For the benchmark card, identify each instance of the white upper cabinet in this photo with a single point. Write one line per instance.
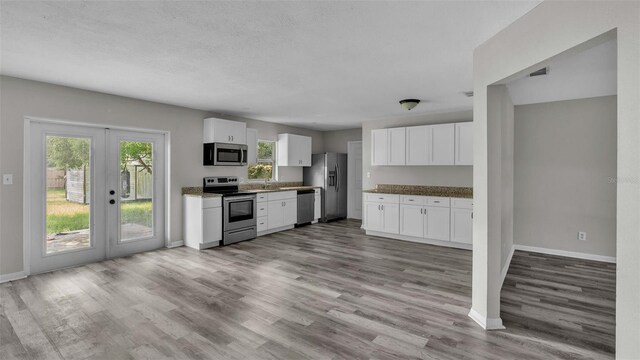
(294, 150)
(224, 131)
(418, 144)
(442, 144)
(464, 143)
(252, 146)
(379, 145)
(396, 146)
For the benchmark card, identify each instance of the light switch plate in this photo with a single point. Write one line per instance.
(7, 179)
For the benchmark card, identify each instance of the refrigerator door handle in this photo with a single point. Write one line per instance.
(337, 178)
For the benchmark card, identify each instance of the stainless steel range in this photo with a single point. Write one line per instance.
(239, 208)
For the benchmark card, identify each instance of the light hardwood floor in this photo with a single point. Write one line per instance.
(325, 291)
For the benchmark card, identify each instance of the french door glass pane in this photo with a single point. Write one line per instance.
(136, 190)
(68, 182)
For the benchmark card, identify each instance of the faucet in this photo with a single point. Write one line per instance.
(266, 183)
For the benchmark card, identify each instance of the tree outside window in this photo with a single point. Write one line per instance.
(263, 169)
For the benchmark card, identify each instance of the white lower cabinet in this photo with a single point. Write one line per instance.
(425, 222)
(391, 218)
(290, 211)
(420, 218)
(277, 210)
(412, 220)
(437, 223)
(275, 213)
(263, 213)
(462, 221)
(372, 216)
(202, 221)
(282, 213)
(382, 217)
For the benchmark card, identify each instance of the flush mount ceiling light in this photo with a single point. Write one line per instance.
(409, 104)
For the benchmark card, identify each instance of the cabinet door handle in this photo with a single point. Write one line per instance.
(382, 207)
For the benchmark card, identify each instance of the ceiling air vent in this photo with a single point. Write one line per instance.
(543, 71)
(468, 93)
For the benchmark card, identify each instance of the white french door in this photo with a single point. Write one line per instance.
(135, 216)
(94, 194)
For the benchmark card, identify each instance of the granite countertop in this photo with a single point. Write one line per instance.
(197, 191)
(442, 191)
(300, 188)
(288, 188)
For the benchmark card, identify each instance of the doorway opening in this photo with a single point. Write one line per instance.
(558, 145)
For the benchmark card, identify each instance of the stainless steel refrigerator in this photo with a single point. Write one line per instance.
(329, 170)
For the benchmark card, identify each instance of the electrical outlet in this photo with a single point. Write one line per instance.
(582, 236)
(368, 175)
(7, 179)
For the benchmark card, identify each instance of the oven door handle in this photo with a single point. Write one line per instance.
(234, 198)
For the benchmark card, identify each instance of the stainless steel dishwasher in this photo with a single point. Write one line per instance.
(306, 200)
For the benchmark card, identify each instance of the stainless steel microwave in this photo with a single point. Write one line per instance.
(219, 154)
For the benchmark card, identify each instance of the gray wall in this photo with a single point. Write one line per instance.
(336, 141)
(20, 98)
(565, 156)
(506, 110)
(413, 175)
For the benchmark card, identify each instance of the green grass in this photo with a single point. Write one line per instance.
(63, 216)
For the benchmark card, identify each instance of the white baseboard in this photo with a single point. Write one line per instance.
(175, 244)
(13, 276)
(421, 240)
(486, 323)
(572, 254)
(505, 268)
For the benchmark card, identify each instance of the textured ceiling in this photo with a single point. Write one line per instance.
(322, 65)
